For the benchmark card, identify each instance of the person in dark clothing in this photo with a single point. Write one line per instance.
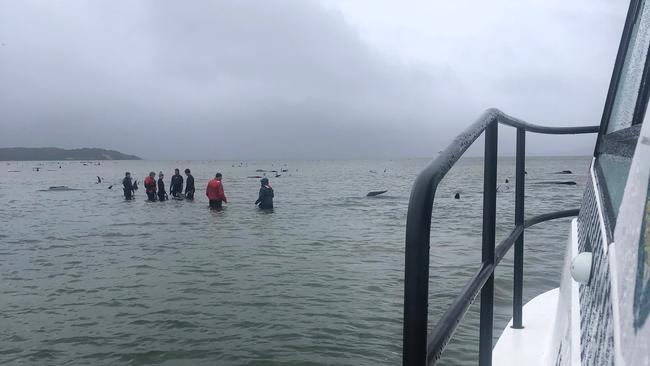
(189, 185)
(162, 194)
(176, 186)
(150, 186)
(265, 198)
(128, 186)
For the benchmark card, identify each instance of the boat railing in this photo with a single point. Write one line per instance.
(418, 349)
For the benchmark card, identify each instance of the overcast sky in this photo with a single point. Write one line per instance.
(274, 79)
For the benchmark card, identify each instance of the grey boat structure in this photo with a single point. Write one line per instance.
(599, 313)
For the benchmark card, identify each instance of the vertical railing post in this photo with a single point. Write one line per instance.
(416, 279)
(489, 224)
(518, 283)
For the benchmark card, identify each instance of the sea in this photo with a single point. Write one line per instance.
(87, 278)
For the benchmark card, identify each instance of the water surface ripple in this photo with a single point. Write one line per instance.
(87, 278)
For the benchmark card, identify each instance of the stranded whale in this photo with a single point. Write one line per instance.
(375, 193)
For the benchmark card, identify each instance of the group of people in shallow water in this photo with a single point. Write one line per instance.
(214, 191)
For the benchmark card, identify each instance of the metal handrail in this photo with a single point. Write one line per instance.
(443, 331)
(416, 349)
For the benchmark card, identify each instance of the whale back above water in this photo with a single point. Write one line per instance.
(375, 193)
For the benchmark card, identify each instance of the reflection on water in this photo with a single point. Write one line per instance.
(88, 278)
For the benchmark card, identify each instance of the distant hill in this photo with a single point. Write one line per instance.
(53, 153)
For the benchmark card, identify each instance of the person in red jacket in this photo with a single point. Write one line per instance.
(150, 185)
(215, 193)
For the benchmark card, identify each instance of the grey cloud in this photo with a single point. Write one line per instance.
(229, 79)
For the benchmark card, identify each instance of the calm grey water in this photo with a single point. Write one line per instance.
(87, 278)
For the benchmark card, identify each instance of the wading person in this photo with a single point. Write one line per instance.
(150, 186)
(189, 185)
(176, 185)
(162, 194)
(215, 193)
(128, 186)
(265, 198)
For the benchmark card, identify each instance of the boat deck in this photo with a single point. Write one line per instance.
(530, 345)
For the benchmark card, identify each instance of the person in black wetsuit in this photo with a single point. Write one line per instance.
(128, 186)
(265, 198)
(176, 185)
(189, 185)
(162, 194)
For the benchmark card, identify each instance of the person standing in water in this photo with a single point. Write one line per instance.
(189, 185)
(215, 193)
(162, 194)
(150, 186)
(128, 186)
(176, 185)
(265, 198)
